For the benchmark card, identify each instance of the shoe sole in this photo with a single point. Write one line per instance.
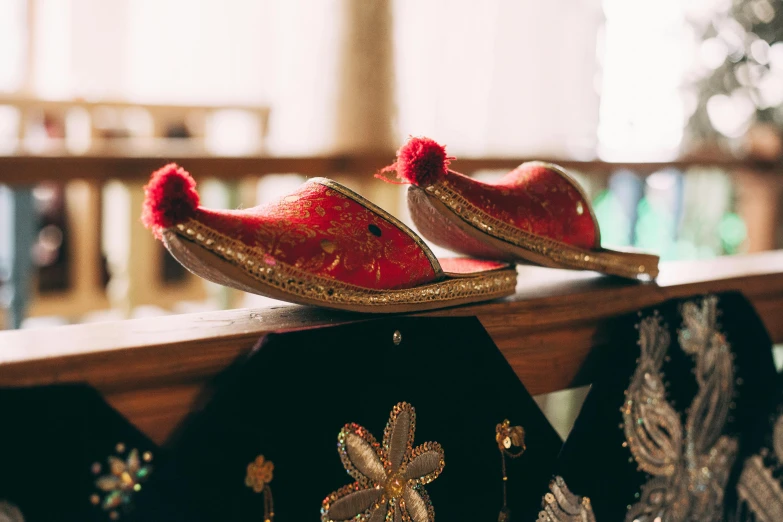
(228, 262)
(441, 213)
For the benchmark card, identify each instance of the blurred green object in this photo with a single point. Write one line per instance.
(654, 230)
(732, 232)
(694, 219)
(615, 225)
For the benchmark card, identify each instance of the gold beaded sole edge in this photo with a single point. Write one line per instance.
(450, 205)
(228, 262)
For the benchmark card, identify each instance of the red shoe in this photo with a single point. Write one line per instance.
(322, 245)
(535, 214)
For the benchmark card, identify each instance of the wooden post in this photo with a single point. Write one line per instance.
(21, 230)
(759, 204)
(86, 293)
(365, 104)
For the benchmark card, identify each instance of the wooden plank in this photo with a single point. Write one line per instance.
(157, 410)
(188, 345)
(759, 205)
(23, 101)
(153, 369)
(33, 169)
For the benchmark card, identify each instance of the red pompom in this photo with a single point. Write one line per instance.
(421, 162)
(170, 197)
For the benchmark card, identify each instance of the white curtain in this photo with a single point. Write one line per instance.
(499, 76)
(647, 50)
(490, 77)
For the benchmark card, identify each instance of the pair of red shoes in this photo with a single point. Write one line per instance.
(327, 246)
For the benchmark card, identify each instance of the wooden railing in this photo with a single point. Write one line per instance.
(152, 370)
(759, 189)
(25, 170)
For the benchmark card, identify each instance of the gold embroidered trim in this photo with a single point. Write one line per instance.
(390, 477)
(689, 465)
(291, 280)
(345, 191)
(555, 250)
(511, 442)
(560, 505)
(508, 437)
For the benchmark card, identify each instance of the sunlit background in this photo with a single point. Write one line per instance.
(588, 80)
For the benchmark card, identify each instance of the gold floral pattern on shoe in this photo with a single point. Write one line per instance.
(321, 245)
(389, 476)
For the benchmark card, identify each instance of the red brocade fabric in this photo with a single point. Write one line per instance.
(537, 199)
(326, 233)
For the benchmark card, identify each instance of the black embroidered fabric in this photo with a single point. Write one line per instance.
(289, 400)
(682, 459)
(760, 484)
(50, 439)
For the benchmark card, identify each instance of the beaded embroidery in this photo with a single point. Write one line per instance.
(690, 465)
(560, 505)
(511, 443)
(10, 513)
(123, 480)
(759, 488)
(389, 476)
(259, 475)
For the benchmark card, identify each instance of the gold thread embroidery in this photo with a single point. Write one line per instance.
(389, 476)
(560, 505)
(570, 179)
(511, 442)
(759, 488)
(267, 270)
(689, 466)
(259, 475)
(559, 252)
(388, 217)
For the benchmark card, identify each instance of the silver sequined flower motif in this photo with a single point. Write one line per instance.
(389, 476)
(123, 480)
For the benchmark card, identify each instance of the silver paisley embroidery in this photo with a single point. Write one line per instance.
(689, 465)
(758, 488)
(560, 505)
(10, 513)
(389, 476)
